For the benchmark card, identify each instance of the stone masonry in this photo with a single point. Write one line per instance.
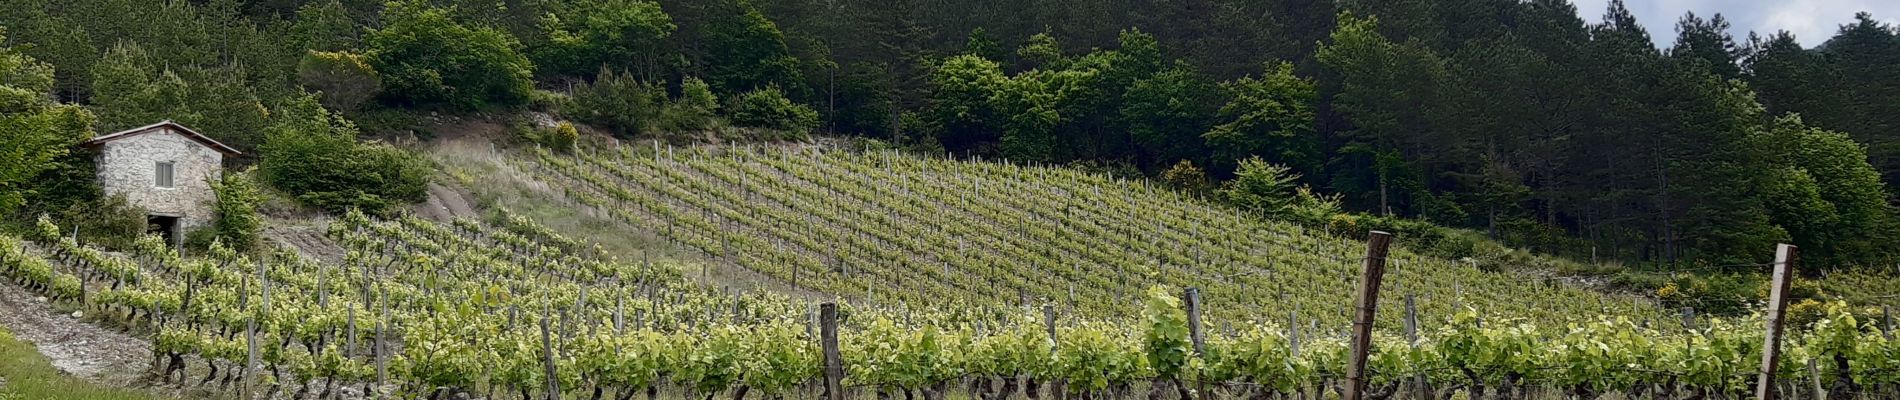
(129, 166)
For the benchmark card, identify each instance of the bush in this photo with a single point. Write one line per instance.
(546, 101)
(696, 109)
(561, 138)
(199, 240)
(314, 156)
(769, 108)
(109, 222)
(346, 80)
(237, 223)
(618, 102)
(427, 58)
(1186, 177)
(67, 181)
(1262, 187)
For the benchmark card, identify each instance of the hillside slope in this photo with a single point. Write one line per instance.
(896, 229)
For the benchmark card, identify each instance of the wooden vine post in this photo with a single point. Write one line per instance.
(1887, 327)
(834, 362)
(1369, 281)
(1814, 382)
(1293, 331)
(1411, 320)
(1777, 310)
(1049, 323)
(1192, 297)
(349, 349)
(1411, 338)
(1193, 300)
(547, 358)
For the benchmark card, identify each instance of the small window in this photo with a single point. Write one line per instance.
(163, 176)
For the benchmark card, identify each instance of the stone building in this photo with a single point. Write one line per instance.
(162, 168)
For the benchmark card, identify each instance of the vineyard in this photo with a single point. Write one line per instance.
(888, 228)
(1010, 291)
(421, 309)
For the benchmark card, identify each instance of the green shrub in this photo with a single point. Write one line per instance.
(68, 180)
(200, 239)
(346, 80)
(561, 138)
(769, 108)
(546, 101)
(236, 222)
(618, 102)
(427, 58)
(109, 222)
(313, 156)
(386, 121)
(696, 109)
(1261, 187)
(1187, 177)
(1269, 189)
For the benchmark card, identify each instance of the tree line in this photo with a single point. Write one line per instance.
(1517, 118)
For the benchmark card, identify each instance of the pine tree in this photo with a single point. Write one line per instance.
(1708, 41)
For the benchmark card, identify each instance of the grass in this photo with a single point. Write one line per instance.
(471, 165)
(474, 166)
(28, 375)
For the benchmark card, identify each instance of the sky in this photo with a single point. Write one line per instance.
(1811, 21)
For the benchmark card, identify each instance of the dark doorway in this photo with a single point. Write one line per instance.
(164, 226)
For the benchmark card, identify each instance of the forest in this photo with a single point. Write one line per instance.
(1518, 119)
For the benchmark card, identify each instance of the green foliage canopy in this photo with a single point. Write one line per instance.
(582, 36)
(34, 130)
(236, 222)
(769, 108)
(426, 57)
(313, 155)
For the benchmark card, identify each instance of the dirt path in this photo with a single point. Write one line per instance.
(307, 237)
(445, 204)
(74, 346)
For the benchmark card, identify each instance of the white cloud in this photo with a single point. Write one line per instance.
(1811, 21)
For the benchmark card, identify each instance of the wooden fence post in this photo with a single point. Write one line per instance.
(1777, 309)
(834, 363)
(1369, 281)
